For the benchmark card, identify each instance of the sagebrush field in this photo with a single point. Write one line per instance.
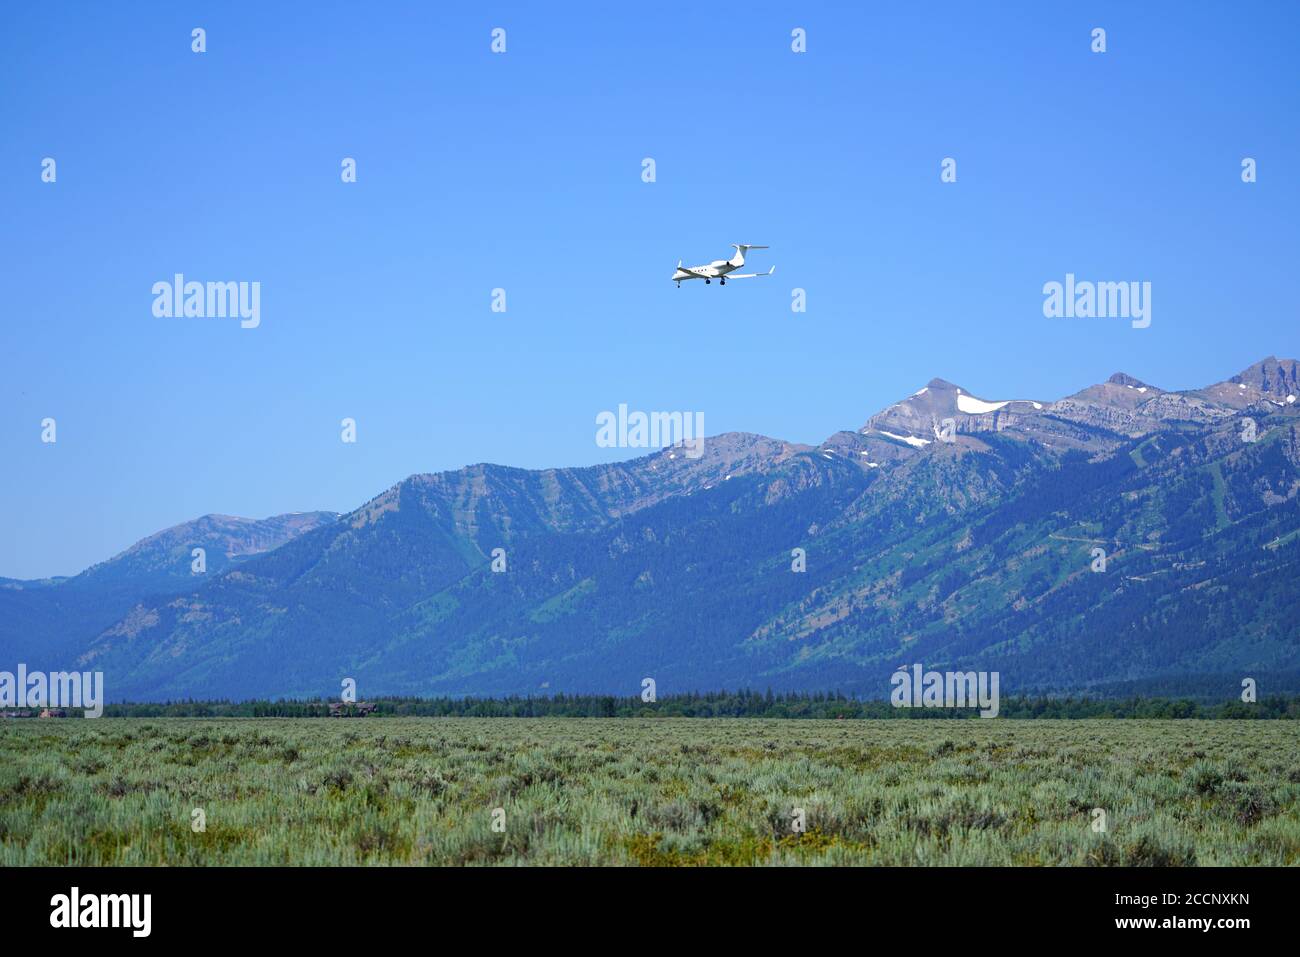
(648, 791)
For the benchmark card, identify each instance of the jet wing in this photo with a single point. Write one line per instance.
(750, 275)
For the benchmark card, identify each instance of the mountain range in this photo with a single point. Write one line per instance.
(1123, 539)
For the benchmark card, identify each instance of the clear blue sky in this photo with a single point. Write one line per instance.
(523, 171)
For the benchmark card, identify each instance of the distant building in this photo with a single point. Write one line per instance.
(53, 713)
(346, 709)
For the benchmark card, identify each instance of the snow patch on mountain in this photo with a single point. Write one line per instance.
(973, 406)
(911, 440)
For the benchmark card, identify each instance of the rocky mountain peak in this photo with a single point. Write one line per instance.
(1270, 381)
(918, 419)
(1123, 378)
(942, 385)
(1273, 376)
(226, 539)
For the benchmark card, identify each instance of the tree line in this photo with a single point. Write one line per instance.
(721, 704)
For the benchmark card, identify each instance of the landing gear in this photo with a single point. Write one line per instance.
(706, 282)
(679, 285)
(722, 282)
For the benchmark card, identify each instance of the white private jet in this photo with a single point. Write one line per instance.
(720, 269)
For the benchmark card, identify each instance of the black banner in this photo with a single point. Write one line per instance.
(347, 906)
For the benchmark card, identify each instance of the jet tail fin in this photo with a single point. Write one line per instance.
(740, 248)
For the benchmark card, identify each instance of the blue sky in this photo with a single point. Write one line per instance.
(523, 171)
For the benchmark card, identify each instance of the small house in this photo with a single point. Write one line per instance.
(351, 709)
